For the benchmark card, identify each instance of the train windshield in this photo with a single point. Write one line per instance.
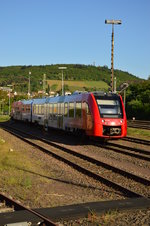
(109, 107)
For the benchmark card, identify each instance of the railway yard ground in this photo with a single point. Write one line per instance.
(38, 180)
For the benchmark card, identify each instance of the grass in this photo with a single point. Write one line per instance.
(139, 133)
(78, 85)
(15, 168)
(95, 219)
(10, 161)
(4, 118)
(25, 176)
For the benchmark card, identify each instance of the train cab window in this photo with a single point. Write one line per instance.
(66, 109)
(110, 107)
(78, 110)
(71, 110)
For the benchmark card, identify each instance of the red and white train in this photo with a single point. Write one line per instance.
(95, 114)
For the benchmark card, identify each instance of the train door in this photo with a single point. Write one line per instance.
(45, 116)
(87, 117)
(60, 115)
(31, 110)
(46, 111)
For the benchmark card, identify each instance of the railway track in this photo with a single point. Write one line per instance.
(71, 212)
(130, 151)
(137, 140)
(139, 124)
(116, 178)
(7, 204)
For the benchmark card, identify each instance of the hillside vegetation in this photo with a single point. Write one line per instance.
(56, 85)
(18, 76)
(138, 101)
(76, 77)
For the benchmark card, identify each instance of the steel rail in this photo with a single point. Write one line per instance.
(139, 124)
(125, 191)
(17, 206)
(137, 140)
(94, 161)
(129, 148)
(81, 210)
(100, 163)
(125, 152)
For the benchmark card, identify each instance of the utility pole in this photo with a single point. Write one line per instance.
(29, 86)
(62, 68)
(113, 22)
(44, 84)
(115, 85)
(124, 86)
(2, 106)
(10, 90)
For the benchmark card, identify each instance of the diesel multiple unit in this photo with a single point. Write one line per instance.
(95, 114)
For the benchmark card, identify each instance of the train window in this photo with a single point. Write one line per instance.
(55, 109)
(85, 107)
(42, 109)
(37, 107)
(50, 108)
(34, 109)
(78, 111)
(28, 109)
(71, 110)
(110, 108)
(45, 109)
(66, 109)
(62, 108)
(58, 109)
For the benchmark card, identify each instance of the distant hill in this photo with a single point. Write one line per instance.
(56, 85)
(92, 77)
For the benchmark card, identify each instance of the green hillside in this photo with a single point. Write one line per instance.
(76, 77)
(56, 85)
(18, 76)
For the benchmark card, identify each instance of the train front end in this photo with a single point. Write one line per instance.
(109, 116)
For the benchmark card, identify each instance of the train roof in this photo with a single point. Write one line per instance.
(100, 93)
(75, 95)
(34, 101)
(55, 99)
(27, 101)
(39, 101)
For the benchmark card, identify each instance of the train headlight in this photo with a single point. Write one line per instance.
(103, 120)
(121, 121)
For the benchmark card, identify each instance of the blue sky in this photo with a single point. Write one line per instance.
(40, 32)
